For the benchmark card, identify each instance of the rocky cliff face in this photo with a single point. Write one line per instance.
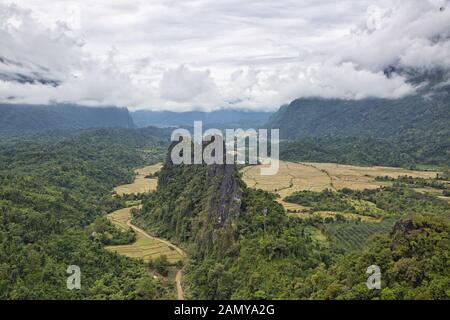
(226, 194)
(197, 204)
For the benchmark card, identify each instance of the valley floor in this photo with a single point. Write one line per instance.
(308, 176)
(145, 247)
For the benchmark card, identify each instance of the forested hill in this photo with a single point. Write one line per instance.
(378, 118)
(406, 132)
(426, 113)
(413, 259)
(18, 119)
(53, 194)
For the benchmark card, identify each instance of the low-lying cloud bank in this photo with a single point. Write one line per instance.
(209, 54)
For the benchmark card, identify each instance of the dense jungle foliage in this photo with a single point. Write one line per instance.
(414, 263)
(54, 189)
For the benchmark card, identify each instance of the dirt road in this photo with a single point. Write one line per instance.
(179, 275)
(142, 184)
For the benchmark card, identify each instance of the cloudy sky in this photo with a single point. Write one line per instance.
(209, 54)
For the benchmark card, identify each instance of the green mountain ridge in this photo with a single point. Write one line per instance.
(427, 112)
(397, 132)
(376, 118)
(20, 119)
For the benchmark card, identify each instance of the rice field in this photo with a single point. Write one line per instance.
(141, 184)
(145, 246)
(311, 176)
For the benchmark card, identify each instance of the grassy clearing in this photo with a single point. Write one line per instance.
(425, 190)
(292, 207)
(316, 234)
(132, 203)
(435, 192)
(141, 184)
(332, 214)
(144, 247)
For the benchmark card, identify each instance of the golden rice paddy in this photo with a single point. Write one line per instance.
(293, 177)
(145, 246)
(141, 184)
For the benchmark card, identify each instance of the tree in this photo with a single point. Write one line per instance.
(161, 264)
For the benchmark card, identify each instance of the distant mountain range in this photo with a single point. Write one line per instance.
(405, 132)
(425, 113)
(17, 119)
(378, 118)
(220, 119)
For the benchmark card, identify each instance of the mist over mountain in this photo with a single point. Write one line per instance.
(427, 112)
(18, 119)
(17, 72)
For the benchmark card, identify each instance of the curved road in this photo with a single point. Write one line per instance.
(179, 275)
(136, 187)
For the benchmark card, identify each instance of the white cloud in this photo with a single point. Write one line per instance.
(320, 80)
(182, 84)
(208, 54)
